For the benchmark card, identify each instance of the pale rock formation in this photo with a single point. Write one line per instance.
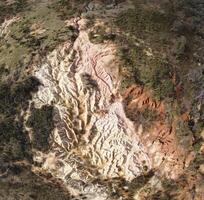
(92, 136)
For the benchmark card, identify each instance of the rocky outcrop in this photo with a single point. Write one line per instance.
(96, 145)
(92, 137)
(160, 138)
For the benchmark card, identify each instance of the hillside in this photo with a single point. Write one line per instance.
(101, 100)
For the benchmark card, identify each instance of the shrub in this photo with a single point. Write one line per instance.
(152, 26)
(183, 134)
(99, 35)
(42, 124)
(13, 98)
(69, 8)
(7, 10)
(180, 46)
(139, 182)
(14, 140)
(158, 78)
(164, 90)
(88, 82)
(195, 164)
(21, 183)
(140, 22)
(145, 117)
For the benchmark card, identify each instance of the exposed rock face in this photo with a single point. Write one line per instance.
(98, 146)
(160, 140)
(91, 128)
(93, 139)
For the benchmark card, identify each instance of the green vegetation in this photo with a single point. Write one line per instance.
(154, 46)
(149, 57)
(15, 96)
(16, 7)
(20, 183)
(195, 164)
(140, 181)
(194, 87)
(118, 187)
(39, 30)
(189, 134)
(169, 191)
(141, 23)
(155, 74)
(14, 141)
(100, 35)
(145, 117)
(41, 123)
(144, 29)
(180, 47)
(69, 8)
(88, 82)
(13, 99)
(158, 77)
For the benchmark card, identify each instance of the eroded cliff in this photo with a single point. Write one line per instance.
(95, 120)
